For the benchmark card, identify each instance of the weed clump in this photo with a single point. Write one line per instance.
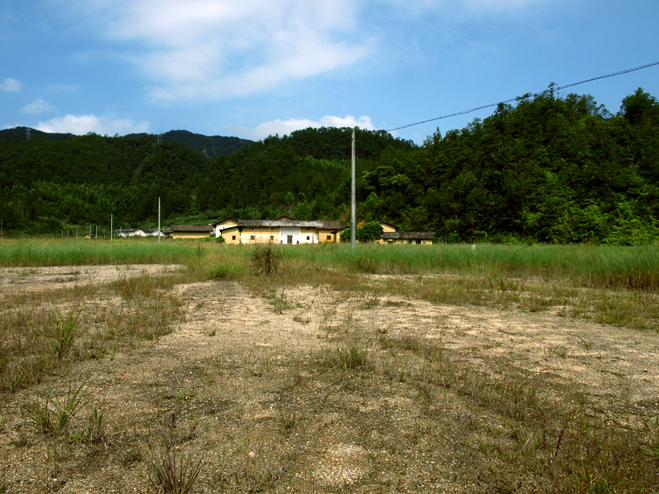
(351, 357)
(266, 259)
(169, 472)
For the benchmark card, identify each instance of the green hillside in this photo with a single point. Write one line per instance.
(551, 168)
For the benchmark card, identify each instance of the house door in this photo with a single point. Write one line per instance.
(290, 239)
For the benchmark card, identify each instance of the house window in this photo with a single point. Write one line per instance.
(308, 237)
(233, 237)
(272, 238)
(252, 238)
(329, 238)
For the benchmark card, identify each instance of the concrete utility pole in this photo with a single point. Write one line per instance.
(110, 226)
(353, 214)
(159, 220)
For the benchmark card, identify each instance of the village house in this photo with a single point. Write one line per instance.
(283, 230)
(287, 230)
(136, 232)
(129, 232)
(191, 231)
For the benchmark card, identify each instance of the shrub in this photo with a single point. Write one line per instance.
(369, 232)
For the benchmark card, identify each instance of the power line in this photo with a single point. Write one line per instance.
(555, 88)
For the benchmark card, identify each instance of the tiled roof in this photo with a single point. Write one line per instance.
(323, 225)
(408, 236)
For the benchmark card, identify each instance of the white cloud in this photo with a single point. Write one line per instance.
(10, 85)
(37, 106)
(283, 127)
(84, 124)
(221, 48)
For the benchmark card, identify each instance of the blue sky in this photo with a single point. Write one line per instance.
(252, 68)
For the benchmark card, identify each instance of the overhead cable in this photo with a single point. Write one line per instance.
(555, 88)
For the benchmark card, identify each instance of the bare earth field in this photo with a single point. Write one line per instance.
(306, 389)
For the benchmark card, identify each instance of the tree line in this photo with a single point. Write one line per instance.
(550, 168)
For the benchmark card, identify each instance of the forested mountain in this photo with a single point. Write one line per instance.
(209, 146)
(550, 168)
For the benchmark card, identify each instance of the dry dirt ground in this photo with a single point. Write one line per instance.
(244, 380)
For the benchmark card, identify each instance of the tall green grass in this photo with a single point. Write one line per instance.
(67, 252)
(613, 267)
(583, 265)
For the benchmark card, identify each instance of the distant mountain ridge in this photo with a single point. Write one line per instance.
(209, 146)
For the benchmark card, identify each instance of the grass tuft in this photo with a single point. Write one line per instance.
(63, 332)
(51, 414)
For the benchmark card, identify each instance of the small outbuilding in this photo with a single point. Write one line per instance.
(408, 237)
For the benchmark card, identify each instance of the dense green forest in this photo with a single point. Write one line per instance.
(550, 168)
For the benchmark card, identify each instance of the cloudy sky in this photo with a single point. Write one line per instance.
(252, 68)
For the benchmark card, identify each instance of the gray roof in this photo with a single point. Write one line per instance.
(191, 228)
(323, 225)
(408, 236)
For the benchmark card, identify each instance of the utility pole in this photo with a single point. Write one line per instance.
(110, 226)
(159, 220)
(353, 215)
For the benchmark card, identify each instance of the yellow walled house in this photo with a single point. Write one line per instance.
(191, 231)
(283, 230)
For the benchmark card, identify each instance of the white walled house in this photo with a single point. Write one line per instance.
(280, 231)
